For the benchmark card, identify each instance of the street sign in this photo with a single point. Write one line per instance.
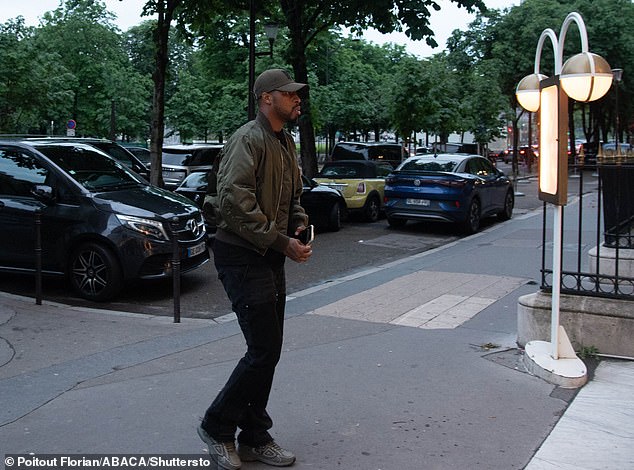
(71, 125)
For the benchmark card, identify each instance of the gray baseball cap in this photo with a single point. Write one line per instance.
(275, 79)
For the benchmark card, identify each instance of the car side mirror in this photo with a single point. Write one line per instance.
(44, 193)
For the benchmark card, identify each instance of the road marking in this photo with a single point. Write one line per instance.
(424, 299)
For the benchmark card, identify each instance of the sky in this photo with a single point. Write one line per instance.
(128, 14)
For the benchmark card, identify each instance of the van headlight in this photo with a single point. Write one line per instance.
(148, 227)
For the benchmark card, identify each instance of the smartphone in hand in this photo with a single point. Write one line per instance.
(307, 235)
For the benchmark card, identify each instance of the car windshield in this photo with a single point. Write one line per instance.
(90, 168)
(190, 156)
(430, 165)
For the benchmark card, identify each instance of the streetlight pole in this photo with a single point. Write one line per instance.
(271, 33)
(584, 77)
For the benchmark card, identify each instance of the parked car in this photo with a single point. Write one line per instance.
(454, 147)
(370, 151)
(360, 181)
(454, 188)
(116, 151)
(325, 206)
(524, 152)
(528, 155)
(181, 160)
(609, 149)
(101, 223)
(423, 150)
(506, 155)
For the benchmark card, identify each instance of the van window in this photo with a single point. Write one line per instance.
(90, 168)
(19, 172)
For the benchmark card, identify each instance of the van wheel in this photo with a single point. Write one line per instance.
(95, 273)
(371, 209)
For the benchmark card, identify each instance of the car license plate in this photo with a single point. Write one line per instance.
(196, 250)
(418, 202)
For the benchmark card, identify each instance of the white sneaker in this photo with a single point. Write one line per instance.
(270, 454)
(222, 453)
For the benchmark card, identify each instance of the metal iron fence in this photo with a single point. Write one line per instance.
(607, 269)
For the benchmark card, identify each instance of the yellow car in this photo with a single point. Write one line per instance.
(360, 181)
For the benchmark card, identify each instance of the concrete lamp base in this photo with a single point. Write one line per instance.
(567, 372)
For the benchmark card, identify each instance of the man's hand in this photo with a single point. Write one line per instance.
(297, 251)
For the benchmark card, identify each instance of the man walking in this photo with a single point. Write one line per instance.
(258, 216)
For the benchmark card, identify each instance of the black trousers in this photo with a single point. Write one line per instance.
(256, 287)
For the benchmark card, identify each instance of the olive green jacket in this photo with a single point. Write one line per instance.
(258, 188)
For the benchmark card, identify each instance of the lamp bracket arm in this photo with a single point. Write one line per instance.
(550, 34)
(583, 33)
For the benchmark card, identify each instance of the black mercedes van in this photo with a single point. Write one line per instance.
(101, 223)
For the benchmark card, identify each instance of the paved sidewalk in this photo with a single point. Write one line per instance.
(410, 365)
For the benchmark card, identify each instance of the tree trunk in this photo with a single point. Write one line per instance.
(165, 14)
(298, 59)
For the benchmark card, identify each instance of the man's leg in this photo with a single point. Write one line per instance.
(242, 402)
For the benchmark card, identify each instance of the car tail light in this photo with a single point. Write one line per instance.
(361, 188)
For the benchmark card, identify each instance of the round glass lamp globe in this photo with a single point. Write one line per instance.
(527, 91)
(586, 77)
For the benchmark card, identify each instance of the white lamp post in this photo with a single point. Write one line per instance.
(584, 77)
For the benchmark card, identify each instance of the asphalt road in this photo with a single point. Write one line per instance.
(357, 246)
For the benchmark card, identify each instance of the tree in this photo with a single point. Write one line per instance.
(482, 101)
(495, 43)
(81, 35)
(191, 11)
(25, 69)
(610, 25)
(306, 20)
(411, 105)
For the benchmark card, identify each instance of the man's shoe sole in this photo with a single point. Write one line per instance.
(214, 455)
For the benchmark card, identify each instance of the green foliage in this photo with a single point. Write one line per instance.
(588, 352)
(76, 62)
(92, 69)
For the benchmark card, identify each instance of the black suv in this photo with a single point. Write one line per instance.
(101, 224)
(181, 160)
(372, 151)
